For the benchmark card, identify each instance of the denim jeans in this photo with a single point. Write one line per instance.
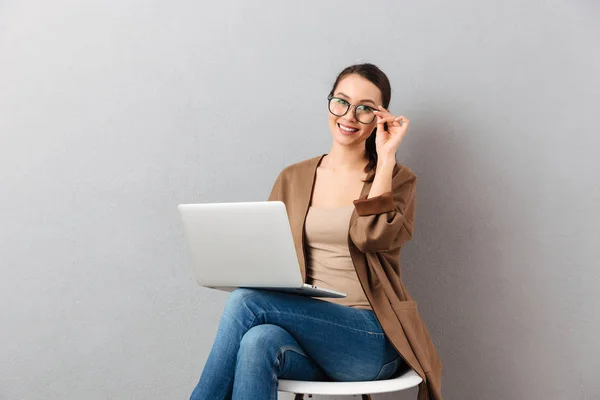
(265, 335)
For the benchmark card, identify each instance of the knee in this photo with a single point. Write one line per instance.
(260, 341)
(241, 297)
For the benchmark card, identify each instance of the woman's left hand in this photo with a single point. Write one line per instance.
(388, 141)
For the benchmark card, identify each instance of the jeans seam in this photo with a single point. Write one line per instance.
(275, 384)
(384, 366)
(285, 348)
(324, 321)
(282, 350)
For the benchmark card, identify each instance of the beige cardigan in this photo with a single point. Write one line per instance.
(379, 226)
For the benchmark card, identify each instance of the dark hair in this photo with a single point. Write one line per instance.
(378, 78)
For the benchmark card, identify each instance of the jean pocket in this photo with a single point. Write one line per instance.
(388, 369)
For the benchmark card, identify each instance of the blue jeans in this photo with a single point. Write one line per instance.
(265, 335)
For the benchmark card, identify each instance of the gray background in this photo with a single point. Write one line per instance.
(112, 113)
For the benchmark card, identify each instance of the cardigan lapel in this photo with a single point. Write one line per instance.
(363, 195)
(305, 192)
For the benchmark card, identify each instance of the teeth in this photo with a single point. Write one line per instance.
(348, 129)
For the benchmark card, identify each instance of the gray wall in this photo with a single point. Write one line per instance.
(112, 113)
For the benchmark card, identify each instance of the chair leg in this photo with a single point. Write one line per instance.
(299, 396)
(366, 397)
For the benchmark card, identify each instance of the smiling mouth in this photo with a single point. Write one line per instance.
(348, 129)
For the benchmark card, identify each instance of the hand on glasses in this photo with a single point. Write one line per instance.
(388, 141)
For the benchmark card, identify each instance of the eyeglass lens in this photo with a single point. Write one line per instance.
(339, 107)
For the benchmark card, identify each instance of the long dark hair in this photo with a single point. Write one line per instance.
(378, 78)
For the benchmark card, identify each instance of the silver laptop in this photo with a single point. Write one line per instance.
(246, 244)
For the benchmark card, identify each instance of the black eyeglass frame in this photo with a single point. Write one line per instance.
(330, 97)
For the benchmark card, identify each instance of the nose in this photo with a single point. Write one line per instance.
(349, 116)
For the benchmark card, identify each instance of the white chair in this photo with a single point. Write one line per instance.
(406, 380)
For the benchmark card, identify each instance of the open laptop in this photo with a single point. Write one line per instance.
(245, 244)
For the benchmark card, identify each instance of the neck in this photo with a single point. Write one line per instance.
(345, 157)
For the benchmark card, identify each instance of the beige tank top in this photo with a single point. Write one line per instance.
(329, 263)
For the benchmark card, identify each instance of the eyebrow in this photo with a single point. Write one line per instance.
(362, 101)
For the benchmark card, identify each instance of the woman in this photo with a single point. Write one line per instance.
(350, 212)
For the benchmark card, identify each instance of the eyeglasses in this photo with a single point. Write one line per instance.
(338, 107)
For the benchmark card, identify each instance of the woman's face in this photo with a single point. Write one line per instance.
(356, 90)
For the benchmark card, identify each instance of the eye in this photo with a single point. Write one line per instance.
(364, 109)
(340, 101)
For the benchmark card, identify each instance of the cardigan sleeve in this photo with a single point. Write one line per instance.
(385, 222)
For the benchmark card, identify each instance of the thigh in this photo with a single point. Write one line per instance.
(347, 343)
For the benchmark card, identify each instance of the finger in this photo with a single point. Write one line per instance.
(389, 120)
(402, 120)
(383, 112)
(385, 119)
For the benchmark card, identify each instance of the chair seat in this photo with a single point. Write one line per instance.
(405, 381)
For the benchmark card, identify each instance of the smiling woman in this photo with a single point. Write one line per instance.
(350, 212)
(362, 87)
